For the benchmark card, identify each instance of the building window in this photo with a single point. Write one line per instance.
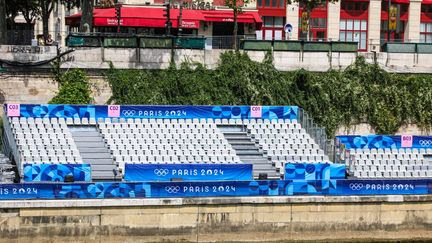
(426, 32)
(354, 30)
(276, 22)
(317, 32)
(271, 4)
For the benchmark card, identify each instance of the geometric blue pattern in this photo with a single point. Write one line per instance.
(158, 112)
(56, 172)
(314, 171)
(382, 141)
(213, 189)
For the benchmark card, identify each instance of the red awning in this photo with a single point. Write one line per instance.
(399, 1)
(153, 17)
(228, 16)
(141, 17)
(426, 1)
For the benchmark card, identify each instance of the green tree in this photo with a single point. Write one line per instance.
(86, 23)
(237, 7)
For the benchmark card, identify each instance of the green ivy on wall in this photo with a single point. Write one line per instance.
(74, 88)
(361, 92)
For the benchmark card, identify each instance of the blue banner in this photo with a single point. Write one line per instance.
(56, 172)
(213, 189)
(384, 141)
(192, 172)
(139, 111)
(314, 171)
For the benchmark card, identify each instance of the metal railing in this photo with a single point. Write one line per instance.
(10, 147)
(317, 133)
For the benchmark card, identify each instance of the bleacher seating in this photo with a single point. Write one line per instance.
(286, 141)
(45, 140)
(390, 163)
(167, 141)
(108, 143)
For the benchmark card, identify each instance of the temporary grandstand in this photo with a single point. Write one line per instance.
(150, 151)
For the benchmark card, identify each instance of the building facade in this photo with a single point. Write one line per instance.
(362, 21)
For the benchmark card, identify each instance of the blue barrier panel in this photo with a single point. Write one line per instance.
(384, 141)
(164, 112)
(193, 172)
(213, 189)
(56, 172)
(314, 171)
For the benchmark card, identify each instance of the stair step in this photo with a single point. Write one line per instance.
(249, 152)
(84, 144)
(87, 139)
(235, 133)
(86, 134)
(94, 150)
(96, 156)
(243, 146)
(98, 161)
(103, 167)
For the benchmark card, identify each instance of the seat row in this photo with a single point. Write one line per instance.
(174, 152)
(295, 151)
(283, 144)
(277, 131)
(274, 126)
(291, 136)
(307, 158)
(391, 162)
(389, 156)
(391, 151)
(393, 174)
(46, 141)
(390, 168)
(51, 159)
(56, 152)
(156, 126)
(42, 135)
(187, 146)
(163, 141)
(162, 136)
(145, 159)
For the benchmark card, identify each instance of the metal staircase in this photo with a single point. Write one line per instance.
(93, 151)
(248, 152)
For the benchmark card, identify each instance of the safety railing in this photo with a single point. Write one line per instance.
(317, 133)
(10, 146)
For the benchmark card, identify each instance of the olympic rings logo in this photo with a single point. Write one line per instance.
(161, 172)
(128, 112)
(425, 143)
(356, 186)
(172, 189)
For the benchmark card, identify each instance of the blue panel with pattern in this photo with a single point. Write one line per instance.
(56, 172)
(314, 171)
(167, 112)
(382, 142)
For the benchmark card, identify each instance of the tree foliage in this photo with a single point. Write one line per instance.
(74, 88)
(360, 93)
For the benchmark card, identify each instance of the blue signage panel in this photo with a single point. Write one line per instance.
(192, 172)
(314, 171)
(56, 172)
(384, 141)
(140, 111)
(213, 189)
